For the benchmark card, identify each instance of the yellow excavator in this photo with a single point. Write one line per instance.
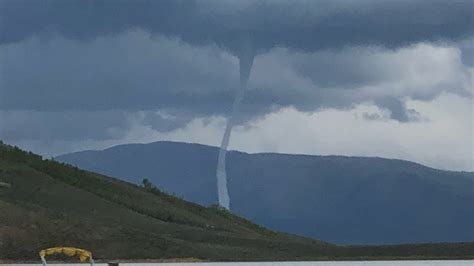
(68, 251)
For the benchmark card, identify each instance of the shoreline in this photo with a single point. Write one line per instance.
(197, 260)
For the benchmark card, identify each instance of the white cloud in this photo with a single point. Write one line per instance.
(443, 138)
(420, 71)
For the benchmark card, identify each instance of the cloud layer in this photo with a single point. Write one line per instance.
(85, 74)
(303, 25)
(135, 72)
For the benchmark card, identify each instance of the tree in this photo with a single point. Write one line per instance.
(147, 184)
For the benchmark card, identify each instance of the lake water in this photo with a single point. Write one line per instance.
(319, 263)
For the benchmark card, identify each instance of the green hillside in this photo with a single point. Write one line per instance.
(44, 203)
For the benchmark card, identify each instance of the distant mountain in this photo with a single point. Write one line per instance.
(344, 200)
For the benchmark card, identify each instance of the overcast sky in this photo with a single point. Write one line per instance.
(368, 78)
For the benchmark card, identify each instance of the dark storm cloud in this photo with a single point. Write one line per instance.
(398, 110)
(90, 57)
(165, 122)
(129, 72)
(82, 74)
(303, 25)
(70, 126)
(133, 71)
(467, 49)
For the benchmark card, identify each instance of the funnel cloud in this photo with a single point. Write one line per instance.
(246, 57)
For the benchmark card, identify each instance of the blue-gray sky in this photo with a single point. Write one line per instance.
(87, 74)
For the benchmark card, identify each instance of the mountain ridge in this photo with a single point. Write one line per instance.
(295, 193)
(261, 153)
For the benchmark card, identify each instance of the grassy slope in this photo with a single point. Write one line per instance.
(45, 203)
